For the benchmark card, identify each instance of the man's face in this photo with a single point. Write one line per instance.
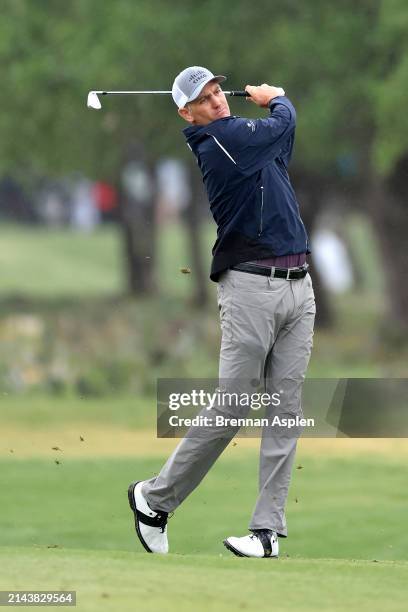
(210, 105)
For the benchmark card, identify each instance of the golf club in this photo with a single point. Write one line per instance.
(94, 102)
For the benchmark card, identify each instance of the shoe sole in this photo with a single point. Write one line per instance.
(132, 504)
(236, 552)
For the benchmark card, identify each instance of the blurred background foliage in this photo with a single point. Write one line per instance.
(344, 65)
(108, 310)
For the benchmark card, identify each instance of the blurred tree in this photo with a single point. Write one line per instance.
(387, 197)
(137, 206)
(344, 65)
(193, 217)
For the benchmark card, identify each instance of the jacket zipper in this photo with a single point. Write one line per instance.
(307, 238)
(262, 204)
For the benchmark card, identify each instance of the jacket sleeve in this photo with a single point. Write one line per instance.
(256, 142)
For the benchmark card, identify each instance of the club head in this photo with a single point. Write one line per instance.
(93, 100)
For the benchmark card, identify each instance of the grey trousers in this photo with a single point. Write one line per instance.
(267, 334)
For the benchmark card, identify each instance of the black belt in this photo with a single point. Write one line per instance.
(287, 273)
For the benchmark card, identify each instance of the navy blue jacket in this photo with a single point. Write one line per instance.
(244, 166)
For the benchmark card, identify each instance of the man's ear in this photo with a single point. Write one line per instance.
(185, 113)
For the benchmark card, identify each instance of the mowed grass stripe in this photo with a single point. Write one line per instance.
(90, 439)
(337, 507)
(118, 580)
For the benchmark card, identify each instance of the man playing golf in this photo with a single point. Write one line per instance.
(265, 297)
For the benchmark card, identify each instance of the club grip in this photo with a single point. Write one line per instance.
(240, 93)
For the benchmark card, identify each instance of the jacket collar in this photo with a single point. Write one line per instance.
(198, 130)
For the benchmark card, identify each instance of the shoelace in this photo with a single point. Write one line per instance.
(161, 519)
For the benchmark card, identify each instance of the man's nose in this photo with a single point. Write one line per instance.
(214, 101)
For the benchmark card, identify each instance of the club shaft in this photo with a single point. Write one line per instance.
(105, 93)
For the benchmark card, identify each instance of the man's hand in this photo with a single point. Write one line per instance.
(263, 94)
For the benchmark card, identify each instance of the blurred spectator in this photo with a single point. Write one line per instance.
(332, 260)
(174, 189)
(54, 208)
(106, 200)
(84, 213)
(14, 203)
(52, 202)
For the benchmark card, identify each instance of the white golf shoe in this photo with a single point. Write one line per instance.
(262, 543)
(151, 526)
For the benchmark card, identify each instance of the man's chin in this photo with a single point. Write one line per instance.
(222, 114)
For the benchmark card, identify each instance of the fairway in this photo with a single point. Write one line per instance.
(119, 581)
(67, 525)
(65, 522)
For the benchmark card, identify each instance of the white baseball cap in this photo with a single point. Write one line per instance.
(189, 83)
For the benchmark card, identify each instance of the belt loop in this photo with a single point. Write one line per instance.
(272, 272)
(288, 274)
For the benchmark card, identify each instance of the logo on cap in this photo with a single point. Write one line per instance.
(197, 76)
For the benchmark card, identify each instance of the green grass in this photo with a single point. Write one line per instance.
(42, 411)
(38, 262)
(358, 504)
(69, 526)
(60, 263)
(124, 581)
